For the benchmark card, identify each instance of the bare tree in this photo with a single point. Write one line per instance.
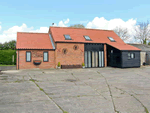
(142, 32)
(78, 26)
(122, 33)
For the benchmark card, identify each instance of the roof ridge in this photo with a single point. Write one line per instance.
(79, 28)
(32, 32)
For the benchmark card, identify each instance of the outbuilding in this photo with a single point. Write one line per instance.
(145, 53)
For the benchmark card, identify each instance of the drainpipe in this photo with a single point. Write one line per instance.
(18, 59)
(105, 55)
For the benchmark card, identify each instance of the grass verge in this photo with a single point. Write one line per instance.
(7, 65)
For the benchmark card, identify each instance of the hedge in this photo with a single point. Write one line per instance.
(6, 57)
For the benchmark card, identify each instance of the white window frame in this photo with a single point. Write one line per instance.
(27, 56)
(44, 56)
(131, 56)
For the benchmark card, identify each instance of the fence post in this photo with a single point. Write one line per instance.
(13, 58)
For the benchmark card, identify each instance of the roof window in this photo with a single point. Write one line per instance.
(67, 37)
(87, 37)
(111, 39)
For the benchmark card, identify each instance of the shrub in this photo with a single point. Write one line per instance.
(83, 64)
(58, 64)
(6, 57)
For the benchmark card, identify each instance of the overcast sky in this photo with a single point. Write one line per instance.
(38, 15)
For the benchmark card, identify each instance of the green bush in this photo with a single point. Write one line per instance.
(58, 64)
(6, 57)
(83, 64)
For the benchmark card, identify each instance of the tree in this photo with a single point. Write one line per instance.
(142, 32)
(6, 46)
(78, 26)
(12, 44)
(1, 46)
(122, 33)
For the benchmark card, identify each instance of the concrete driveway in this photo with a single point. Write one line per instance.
(98, 90)
(4, 68)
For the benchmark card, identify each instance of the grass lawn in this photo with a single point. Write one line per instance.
(7, 65)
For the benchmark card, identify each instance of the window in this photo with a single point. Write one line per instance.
(87, 37)
(131, 55)
(28, 56)
(45, 57)
(75, 47)
(111, 51)
(67, 37)
(64, 51)
(111, 39)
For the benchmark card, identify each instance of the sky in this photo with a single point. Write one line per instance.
(38, 15)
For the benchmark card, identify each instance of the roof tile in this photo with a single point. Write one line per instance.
(42, 40)
(96, 35)
(33, 41)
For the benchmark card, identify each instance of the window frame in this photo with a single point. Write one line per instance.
(69, 36)
(133, 55)
(64, 51)
(110, 39)
(87, 39)
(30, 56)
(47, 56)
(75, 47)
(129, 56)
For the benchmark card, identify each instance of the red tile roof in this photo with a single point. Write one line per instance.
(124, 46)
(42, 40)
(33, 41)
(97, 36)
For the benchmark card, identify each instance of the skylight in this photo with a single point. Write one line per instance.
(67, 37)
(111, 39)
(87, 37)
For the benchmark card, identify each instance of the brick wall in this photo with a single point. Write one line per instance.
(35, 55)
(72, 56)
